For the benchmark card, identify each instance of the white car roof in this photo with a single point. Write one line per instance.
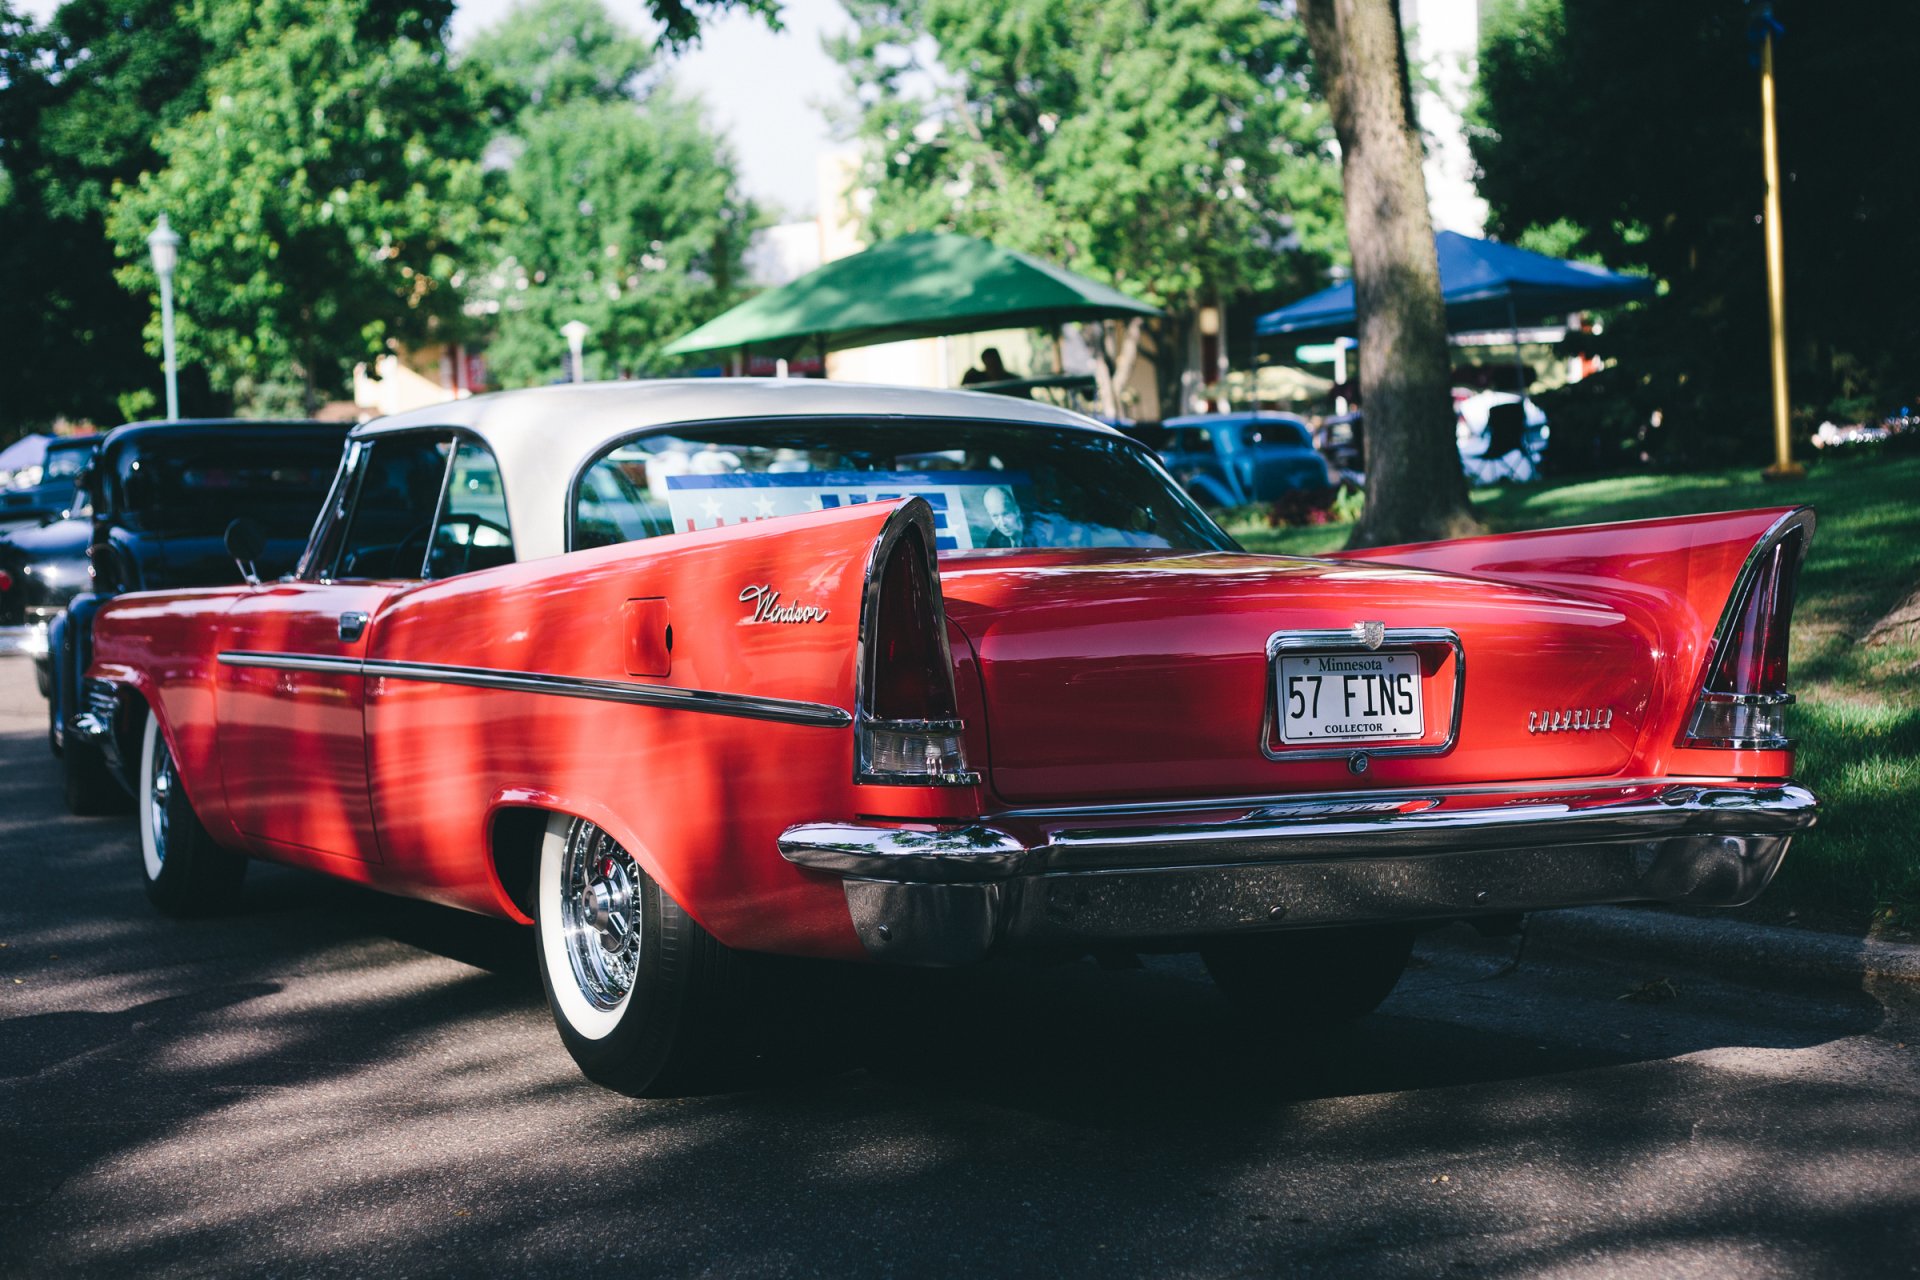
(542, 435)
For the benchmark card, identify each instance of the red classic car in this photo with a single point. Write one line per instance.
(678, 672)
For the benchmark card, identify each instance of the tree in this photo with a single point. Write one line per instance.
(326, 192)
(622, 213)
(1415, 489)
(1168, 147)
(552, 52)
(80, 101)
(626, 218)
(1668, 179)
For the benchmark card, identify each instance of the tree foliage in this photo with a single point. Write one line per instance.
(624, 214)
(80, 101)
(1168, 147)
(549, 53)
(325, 191)
(1668, 178)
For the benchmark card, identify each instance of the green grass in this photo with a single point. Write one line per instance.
(1858, 717)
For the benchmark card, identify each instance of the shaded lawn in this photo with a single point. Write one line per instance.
(1858, 718)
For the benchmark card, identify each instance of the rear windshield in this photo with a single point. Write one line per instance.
(196, 484)
(990, 486)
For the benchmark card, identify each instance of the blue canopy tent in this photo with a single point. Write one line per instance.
(1484, 285)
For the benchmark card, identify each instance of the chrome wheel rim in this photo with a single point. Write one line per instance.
(600, 904)
(159, 793)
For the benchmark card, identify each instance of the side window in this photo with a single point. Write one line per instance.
(392, 522)
(622, 497)
(472, 531)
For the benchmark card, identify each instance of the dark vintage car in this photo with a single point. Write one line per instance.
(1231, 459)
(151, 515)
(52, 493)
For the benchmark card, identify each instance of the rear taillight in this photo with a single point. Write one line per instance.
(908, 729)
(1743, 704)
(6, 582)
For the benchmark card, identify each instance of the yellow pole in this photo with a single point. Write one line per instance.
(1784, 467)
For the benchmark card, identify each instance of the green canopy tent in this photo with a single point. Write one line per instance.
(924, 285)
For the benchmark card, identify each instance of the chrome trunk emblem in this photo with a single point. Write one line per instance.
(1571, 720)
(1370, 634)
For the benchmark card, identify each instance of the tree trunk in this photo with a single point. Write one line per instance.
(1112, 370)
(1415, 489)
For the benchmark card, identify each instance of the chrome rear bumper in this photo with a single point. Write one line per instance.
(949, 895)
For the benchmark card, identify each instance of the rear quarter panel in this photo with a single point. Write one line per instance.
(1672, 576)
(698, 798)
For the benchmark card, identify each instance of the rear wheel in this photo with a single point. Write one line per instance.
(1309, 978)
(644, 998)
(186, 873)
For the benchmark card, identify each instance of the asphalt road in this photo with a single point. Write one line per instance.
(336, 1083)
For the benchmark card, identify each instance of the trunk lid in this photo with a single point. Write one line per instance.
(1113, 675)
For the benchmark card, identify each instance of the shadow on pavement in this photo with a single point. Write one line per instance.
(337, 1082)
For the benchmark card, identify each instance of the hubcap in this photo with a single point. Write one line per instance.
(600, 915)
(160, 793)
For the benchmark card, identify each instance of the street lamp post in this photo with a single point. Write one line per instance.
(1784, 467)
(164, 243)
(576, 335)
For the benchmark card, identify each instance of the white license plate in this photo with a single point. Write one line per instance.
(1350, 697)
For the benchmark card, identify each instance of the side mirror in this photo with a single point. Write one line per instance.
(246, 543)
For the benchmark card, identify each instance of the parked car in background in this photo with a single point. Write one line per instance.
(50, 491)
(680, 672)
(1342, 441)
(1232, 459)
(155, 504)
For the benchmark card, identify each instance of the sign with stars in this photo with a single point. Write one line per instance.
(710, 501)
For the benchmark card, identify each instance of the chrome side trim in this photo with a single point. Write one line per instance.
(1318, 641)
(290, 661)
(742, 705)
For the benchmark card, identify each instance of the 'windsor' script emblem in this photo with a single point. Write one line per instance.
(767, 607)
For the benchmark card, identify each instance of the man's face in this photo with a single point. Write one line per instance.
(1003, 513)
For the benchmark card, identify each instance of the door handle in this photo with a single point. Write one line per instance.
(352, 624)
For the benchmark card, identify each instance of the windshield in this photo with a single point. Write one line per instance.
(196, 484)
(990, 486)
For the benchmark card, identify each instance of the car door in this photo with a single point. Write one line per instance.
(290, 695)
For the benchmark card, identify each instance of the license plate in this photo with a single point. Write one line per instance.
(1350, 697)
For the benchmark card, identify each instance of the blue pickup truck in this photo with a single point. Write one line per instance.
(1232, 459)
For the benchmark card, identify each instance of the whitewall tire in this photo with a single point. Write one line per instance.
(643, 997)
(185, 872)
